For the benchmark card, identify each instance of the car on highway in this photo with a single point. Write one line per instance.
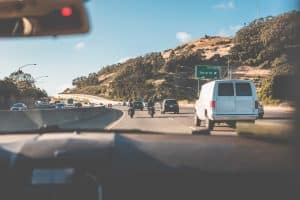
(43, 106)
(138, 105)
(52, 105)
(78, 105)
(145, 104)
(18, 107)
(226, 101)
(60, 106)
(261, 111)
(109, 105)
(91, 105)
(70, 106)
(170, 105)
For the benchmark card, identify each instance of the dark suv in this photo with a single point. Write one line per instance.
(170, 105)
(138, 105)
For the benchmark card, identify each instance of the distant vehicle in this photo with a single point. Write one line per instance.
(170, 105)
(90, 105)
(78, 105)
(19, 107)
(145, 104)
(124, 103)
(52, 105)
(43, 106)
(138, 105)
(131, 112)
(70, 101)
(70, 106)
(151, 111)
(226, 101)
(60, 106)
(261, 111)
(109, 105)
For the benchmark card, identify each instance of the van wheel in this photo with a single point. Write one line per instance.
(197, 121)
(209, 124)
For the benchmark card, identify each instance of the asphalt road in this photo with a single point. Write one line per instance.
(117, 118)
(183, 123)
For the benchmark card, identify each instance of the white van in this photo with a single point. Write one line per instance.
(226, 101)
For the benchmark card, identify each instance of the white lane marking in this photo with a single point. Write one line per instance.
(112, 125)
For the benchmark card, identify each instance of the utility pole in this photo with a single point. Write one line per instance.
(19, 69)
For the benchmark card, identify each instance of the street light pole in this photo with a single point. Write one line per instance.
(19, 69)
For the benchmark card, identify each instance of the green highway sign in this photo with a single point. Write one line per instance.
(207, 72)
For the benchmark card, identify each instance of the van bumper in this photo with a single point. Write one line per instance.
(235, 117)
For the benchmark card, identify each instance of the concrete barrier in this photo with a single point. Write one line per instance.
(33, 119)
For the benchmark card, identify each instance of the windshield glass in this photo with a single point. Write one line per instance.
(171, 102)
(18, 105)
(140, 54)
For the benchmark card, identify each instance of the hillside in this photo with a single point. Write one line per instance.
(259, 51)
(161, 74)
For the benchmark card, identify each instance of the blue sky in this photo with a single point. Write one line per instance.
(122, 29)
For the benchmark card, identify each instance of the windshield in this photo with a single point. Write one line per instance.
(18, 105)
(171, 102)
(156, 51)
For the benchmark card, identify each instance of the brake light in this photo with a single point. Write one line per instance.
(212, 104)
(66, 11)
(256, 104)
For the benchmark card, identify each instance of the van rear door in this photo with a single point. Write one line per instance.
(225, 100)
(244, 99)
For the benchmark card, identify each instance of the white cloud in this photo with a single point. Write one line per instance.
(80, 45)
(183, 36)
(225, 5)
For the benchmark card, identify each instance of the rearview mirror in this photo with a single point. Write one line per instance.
(42, 18)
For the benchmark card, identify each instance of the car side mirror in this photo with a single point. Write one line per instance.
(25, 18)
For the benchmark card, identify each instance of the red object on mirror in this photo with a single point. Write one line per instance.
(66, 11)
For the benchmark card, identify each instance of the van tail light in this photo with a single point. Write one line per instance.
(212, 104)
(256, 104)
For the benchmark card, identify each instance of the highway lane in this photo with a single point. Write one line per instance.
(169, 123)
(183, 122)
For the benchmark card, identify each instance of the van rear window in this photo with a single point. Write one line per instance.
(225, 89)
(243, 89)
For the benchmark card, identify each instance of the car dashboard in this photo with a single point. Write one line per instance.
(94, 166)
